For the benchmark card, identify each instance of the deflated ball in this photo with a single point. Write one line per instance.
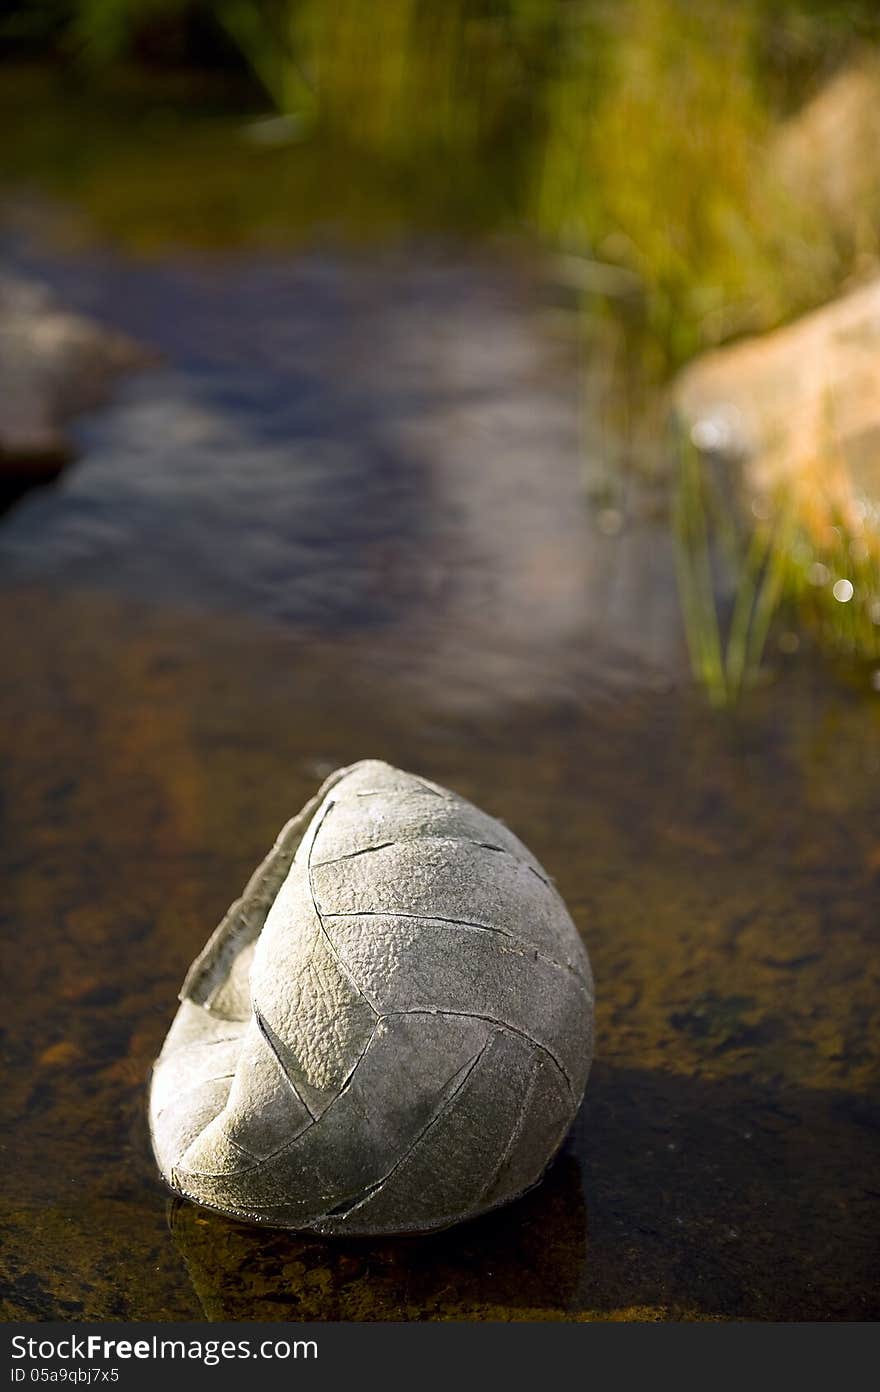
(389, 1032)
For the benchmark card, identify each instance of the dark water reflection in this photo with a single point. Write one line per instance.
(336, 445)
(347, 517)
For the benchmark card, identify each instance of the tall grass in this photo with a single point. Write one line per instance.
(726, 655)
(829, 584)
(658, 161)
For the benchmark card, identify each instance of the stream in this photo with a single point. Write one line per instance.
(346, 513)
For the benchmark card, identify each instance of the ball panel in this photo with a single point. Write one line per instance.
(262, 1114)
(373, 777)
(190, 1068)
(546, 1112)
(264, 1111)
(456, 881)
(392, 1096)
(418, 964)
(353, 825)
(177, 1125)
(231, 999)
(318, 1021)
(445, 1174)
(194, 1025)
(214, 1152)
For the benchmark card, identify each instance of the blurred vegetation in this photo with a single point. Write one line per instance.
(776, 568)
(632, 138)
(627, 132)
(661, 168)
(725, 656)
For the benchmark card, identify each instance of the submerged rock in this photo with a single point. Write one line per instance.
(390, 1032)
(800, 409)
(53, 364)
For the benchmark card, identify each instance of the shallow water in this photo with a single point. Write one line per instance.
(347, 515)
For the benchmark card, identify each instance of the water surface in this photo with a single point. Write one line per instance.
(348, 514)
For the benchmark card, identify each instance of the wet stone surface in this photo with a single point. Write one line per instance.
(53, 364)
(273, 559)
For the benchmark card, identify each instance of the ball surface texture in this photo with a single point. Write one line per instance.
(389, 1032)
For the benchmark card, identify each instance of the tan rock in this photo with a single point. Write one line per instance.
(801, 408)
